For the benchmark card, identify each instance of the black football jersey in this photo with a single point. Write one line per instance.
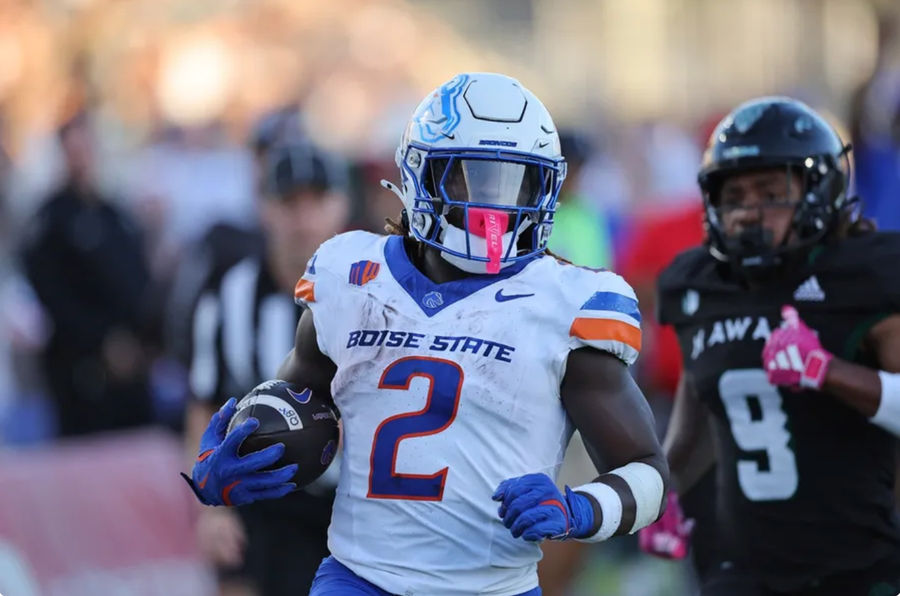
(805, 483)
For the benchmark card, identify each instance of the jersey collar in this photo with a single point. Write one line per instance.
(432, 297)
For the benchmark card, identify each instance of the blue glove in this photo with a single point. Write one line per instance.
(532, 507)
(222, 477)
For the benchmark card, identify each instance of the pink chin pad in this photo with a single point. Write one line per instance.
(490, 224)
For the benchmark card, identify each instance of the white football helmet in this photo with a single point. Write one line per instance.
(481, 170)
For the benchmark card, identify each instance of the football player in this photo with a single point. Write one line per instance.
(801, 419)
(460, 356)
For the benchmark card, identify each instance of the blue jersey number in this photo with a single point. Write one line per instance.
(445, 380)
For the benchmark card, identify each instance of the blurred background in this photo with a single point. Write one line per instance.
(142, 155)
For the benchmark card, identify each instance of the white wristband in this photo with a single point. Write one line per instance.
(610, 507)
(636, 495)
(647, 487)
(888, 414)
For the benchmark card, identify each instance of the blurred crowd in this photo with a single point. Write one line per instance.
(103, 258)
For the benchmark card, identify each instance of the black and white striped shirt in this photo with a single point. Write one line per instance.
(243, 327)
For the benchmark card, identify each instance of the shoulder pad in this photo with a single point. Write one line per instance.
(604, 312)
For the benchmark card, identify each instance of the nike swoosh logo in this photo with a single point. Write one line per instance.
(501, 297)
(302, 397)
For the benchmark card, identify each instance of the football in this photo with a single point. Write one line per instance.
(305, 423)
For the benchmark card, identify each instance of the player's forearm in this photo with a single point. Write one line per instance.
(857, 386)
(688, 444)
(874, 393)
(689, 459)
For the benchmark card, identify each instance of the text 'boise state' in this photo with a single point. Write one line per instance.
(367, 338)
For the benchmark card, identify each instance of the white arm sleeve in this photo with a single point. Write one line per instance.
(888, 414)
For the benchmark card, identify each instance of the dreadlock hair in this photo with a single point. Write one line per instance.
(399, 227)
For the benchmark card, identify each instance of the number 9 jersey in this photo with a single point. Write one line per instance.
(805, 483)
(445, 390)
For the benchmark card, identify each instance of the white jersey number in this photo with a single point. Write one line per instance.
(763, 432)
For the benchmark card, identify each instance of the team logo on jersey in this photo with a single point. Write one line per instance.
(433, 299)
(690, 303)
(810, 291)
(362, 272)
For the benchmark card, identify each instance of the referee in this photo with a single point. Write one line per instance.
(243, 326)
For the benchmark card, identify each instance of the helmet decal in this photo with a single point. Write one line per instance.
(442, 117)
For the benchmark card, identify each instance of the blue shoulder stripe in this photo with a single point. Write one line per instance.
(615, 302)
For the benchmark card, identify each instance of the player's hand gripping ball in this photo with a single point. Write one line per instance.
(295, 417)
(265, 446)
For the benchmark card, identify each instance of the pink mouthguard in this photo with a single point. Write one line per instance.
(490, 224)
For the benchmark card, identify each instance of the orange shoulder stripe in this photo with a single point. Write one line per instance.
(606, 329)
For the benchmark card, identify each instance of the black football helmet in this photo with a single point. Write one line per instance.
(291, 167)
(776, 132)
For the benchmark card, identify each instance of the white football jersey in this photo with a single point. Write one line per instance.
(445, 390)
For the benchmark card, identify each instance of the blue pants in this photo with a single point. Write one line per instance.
(333, 579)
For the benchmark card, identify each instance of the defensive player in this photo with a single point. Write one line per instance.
(460, 355)
(803, 422)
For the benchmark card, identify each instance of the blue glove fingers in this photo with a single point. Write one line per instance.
(512, 486)
(238, 434)
(520, 504)
(223, 416)
(273, 493)
(502, 488)
(257, 460)
(529, 519)
(218, 424)
(540, 531)
(270, 478)
(514, 492)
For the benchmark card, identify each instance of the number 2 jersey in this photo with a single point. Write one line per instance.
(806, 483)
(445, 390)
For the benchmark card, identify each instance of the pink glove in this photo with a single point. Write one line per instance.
(793, 356)
(669, 536)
